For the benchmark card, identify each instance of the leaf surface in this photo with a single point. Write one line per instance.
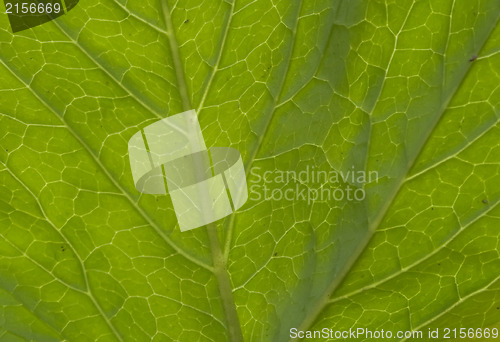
(406, 89)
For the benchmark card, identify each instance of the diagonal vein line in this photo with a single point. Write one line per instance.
(126, 89)
(34, 313)
(194, 308)
(468, 143)
(142, 20)
(107, 173)
(219, 56)
(88, 291)
(419, 261)
(270, 116)
(448, 309)
(324, 300)
(320, 62)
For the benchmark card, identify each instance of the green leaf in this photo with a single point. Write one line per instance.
(406, 89)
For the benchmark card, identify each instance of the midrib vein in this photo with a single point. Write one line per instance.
(176, 57)
(225, 286)
(325, 298)
(219, 264)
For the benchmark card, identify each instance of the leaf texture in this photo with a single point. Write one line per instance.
(408, 89)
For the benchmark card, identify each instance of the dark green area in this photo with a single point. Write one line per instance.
(25, 14)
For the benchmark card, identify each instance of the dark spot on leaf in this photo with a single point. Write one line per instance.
(275, 254)
(473, 58)
(186, 21)
(485, 201)
(439, 264)
(63, 248)
(432, 208)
